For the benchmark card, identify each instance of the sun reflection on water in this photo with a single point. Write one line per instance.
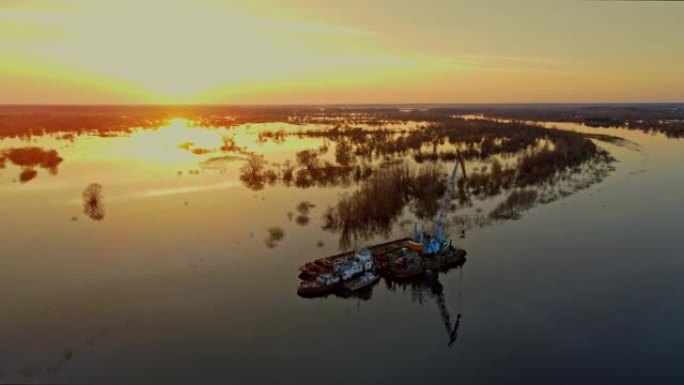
(163, 145)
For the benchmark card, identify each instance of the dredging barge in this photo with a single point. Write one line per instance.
(404, 258)
(395, 259)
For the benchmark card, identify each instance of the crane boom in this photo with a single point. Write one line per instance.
(445, 203)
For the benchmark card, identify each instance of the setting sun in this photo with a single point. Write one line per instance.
(240, 53)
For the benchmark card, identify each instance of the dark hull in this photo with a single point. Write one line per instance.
(318, 291)
(348, 285)
(441, 262)
(405, 274)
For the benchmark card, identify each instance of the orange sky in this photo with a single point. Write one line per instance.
(306, 51)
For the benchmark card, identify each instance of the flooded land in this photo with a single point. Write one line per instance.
(147, 244)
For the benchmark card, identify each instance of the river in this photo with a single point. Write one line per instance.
(177, 281)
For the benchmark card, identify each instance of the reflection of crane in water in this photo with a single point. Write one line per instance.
(431, 286)
(437, 292)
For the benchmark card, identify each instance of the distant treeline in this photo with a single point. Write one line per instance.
(36, 120)
(665, 118)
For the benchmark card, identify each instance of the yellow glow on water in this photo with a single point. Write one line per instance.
(162, 145)
(156, 149)
(178, 146)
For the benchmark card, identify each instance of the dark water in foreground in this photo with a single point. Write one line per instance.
(176, 284)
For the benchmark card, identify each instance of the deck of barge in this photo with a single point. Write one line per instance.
(324, 265)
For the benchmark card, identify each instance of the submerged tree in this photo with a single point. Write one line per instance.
(516, 202)
(375, 206)
(275, 235)
(30, 158)
(93, 205)
(343, 153)
(308, 159)
(27, 175)
(252, 172)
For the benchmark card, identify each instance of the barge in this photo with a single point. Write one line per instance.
(391, 259)
(326, 265)
(403, 258)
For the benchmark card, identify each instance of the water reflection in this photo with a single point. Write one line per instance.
(30, 158)
(59, 358)
(220, 163)
(515, 160)
(303, 208)
(431, 287)
(27, 175)
(374, 208)
(501, 187)
(380, 200)
(252, 172)
(275, 235)
(421, 290)
(349, 147)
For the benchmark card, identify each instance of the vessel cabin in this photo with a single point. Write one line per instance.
(364, 256)
(348, 269)
(328, 279)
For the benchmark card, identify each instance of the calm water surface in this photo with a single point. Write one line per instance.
(176, 282)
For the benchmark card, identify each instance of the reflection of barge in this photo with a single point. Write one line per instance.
(400, 259)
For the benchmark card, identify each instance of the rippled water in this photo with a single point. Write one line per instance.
(178, 277)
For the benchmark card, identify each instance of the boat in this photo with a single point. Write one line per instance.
(323, 284)
(366, 279)
(337, 272)
(362, 261)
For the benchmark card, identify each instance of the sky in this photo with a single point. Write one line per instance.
(331, 51)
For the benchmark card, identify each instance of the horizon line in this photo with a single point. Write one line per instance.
(380, 104)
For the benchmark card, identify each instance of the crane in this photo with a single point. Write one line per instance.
(444, 205)
(435, 243)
